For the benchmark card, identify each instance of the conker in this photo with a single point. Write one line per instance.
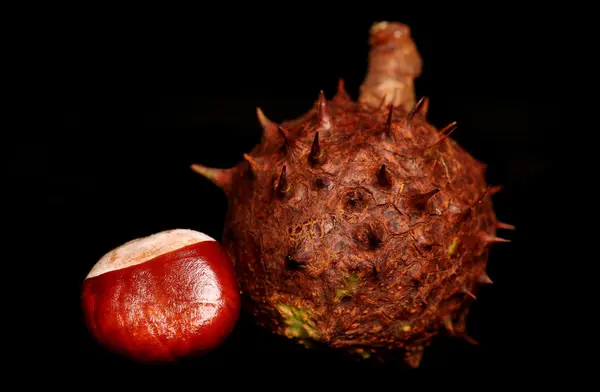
(163, 297)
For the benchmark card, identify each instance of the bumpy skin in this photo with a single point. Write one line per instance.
(345, 253)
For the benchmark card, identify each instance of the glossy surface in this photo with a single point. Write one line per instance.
(182, 303)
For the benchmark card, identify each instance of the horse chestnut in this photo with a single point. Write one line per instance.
(159, 298)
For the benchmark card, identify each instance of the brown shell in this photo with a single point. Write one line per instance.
(359, 227)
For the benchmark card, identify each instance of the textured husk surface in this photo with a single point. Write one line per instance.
(351, 257)
(360, 225)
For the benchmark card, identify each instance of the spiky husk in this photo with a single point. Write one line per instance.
(359, 226)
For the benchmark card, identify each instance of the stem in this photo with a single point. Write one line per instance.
(394, 64)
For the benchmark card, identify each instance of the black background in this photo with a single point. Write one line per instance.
(143, 94)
